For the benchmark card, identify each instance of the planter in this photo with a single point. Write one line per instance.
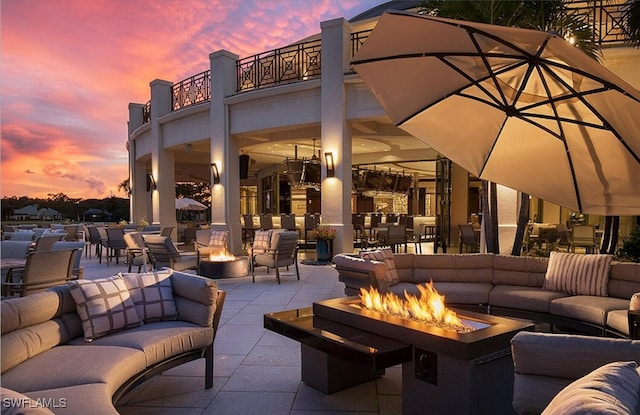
(323, 250)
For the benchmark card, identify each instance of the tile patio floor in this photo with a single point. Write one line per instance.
(257, 371)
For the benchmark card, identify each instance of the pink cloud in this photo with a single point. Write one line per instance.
(71, 67)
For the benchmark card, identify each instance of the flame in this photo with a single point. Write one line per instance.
(221, 256)
(429, 307)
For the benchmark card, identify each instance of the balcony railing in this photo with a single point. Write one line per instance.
(604, 18)
(301, 61)
(293, 63)
(192, 90)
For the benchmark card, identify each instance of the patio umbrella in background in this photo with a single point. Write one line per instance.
(518, 107)
(185, 203)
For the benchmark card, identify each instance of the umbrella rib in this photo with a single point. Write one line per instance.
(606, 125)
(490, 72)
(554, 108)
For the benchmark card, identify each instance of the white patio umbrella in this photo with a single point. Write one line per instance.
(519, 107)
(185, 203)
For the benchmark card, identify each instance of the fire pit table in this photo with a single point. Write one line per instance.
(442, 371)
(231, 267)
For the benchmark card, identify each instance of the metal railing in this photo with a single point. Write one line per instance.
(302, 61)
(191, 91)
(293, 63)
(146, 112)
(358, 39)
(604, 18)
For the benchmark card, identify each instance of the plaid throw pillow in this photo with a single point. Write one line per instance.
(218, 238)
(578, 274)
(104, 306)
(386, 256)
(152, 295)
(262, 240)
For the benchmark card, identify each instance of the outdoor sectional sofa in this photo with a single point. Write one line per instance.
(589, 293)
(78, 348)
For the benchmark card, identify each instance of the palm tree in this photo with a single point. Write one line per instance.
(546, 15)
(631, 22)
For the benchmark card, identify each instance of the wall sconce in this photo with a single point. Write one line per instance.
(151, 183)
(331, 168)
(215, 173)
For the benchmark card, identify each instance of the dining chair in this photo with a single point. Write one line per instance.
(396, 236)
(282, 252)
(41, 271)
(266, 221)
(288, 222)
(77, 272)
(137, 251)
(311, 221)
(115, 243)
(583, 236)
(163, 253)
(418, 238)
(71, 232)
(374, 222)
(45, 242)
(167, 231)
(249, 229)
(94, 239)
(468, 238)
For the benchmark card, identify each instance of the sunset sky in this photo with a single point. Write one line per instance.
(70, 68)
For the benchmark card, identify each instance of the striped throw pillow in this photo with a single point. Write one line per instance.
(152, 294)
(386, 256)
(578, 274)
(104, 306)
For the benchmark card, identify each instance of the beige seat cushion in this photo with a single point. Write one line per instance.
(523, 298)
(158, 340)
(67, 365)
(75, 399)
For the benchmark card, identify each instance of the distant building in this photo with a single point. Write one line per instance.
(34, 212)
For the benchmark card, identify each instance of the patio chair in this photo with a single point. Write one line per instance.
(311, 221)
(418, 238)
(71, 232)
(46, 241)
(77, 271)
(361, 238)
(211, 241)
(468, 238)
(14, 249)
(288, 222)
(396, 235)
(167, 231)
(374, 222)
(249, 230)
(41, 271)
(163, 253)
(20, 235)
(137, 251)
(93, 239)
(583, 236)
(266, 221)
(282, 252)
(114, 243)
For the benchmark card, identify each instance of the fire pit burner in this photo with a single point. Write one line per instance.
(231, 267)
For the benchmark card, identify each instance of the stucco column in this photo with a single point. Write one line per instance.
(138, 202)
(224, 151)
(162, 161)
(335, 132)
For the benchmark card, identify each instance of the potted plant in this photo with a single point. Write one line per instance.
(324, 235)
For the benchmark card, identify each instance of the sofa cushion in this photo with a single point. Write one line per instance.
(611, 389)
(464, 292)
(75, 399)
(159, 340)
(152, 295)
(68, 365)
(624, 279)
(15, 403)
(578, 274)
(195, 298)
(619, 321)
(587, 308)
(518, 270)
(218, 238)
(104, 305)
(384, 255)
(262, 240)
(453, 268)
(521, 297)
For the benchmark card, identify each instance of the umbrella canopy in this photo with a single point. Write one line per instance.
(519, 107)
(185, 203)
